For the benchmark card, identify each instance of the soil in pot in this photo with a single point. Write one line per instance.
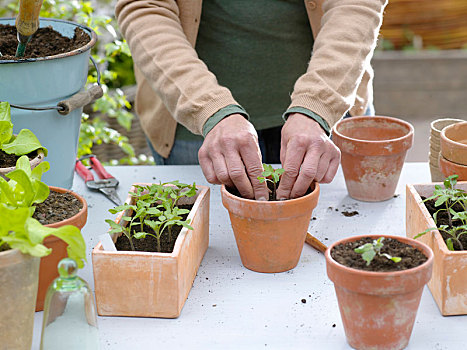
(410, 257)
(45, 42)
(443, 219)
(57, 207)
(149, 243)
(9, 160)
(272, 196)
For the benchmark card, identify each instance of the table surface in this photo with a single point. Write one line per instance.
(231, 307)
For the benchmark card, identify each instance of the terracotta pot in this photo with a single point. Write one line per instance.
(449, 168)
(48, 267)
(378, 309)
(436, 126)
(18, 287)
(34, 162)
(448, 285)
(454, 143)
(270, 235)
(145, 284)
(373, 153)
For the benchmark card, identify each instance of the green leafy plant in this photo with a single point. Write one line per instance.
(447, 198)
(23, 143)
(370, 250)
(271, 175)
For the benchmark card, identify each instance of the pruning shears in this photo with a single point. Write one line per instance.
(106, 183)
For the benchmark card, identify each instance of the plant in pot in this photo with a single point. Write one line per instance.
(21, 248)
(14, 146)
(379, 282)
(160, 237)
(270, 234)
(436, 214)
(52, 207)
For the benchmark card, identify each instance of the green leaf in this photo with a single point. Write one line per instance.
(396, 259)
(6, 131)
(5, 112)
(368, 256)
(426, 231)
(22, 179)
(139, 235)
(449, 244)
(39, 170)
(25, 143)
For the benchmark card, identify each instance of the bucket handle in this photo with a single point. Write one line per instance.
(80, 99)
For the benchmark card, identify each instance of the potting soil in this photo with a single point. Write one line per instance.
(410, 257)
(45, 42)
(9, 160)
(57, 207)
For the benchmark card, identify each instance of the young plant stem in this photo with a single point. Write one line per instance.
(273, 190)
(449, 215)
(169, 228)
(131, 243)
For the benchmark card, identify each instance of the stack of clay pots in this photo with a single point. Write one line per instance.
(453, 157)
(435, 146)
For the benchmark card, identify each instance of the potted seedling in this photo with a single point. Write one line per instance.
(378, 281)
(270, 234)
(52, 207)
(160, 235)
(437, 215)
(14, 146)
(21, 248)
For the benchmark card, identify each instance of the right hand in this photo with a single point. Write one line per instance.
(230, 155)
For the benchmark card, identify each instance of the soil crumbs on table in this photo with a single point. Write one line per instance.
(45, 42)
(9, 160)
(149, 243)
(410, 257)
(57, 207)
(443, 219)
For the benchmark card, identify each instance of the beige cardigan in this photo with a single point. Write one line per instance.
(174, 85)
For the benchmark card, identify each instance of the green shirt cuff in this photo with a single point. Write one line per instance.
(221, 114)
(324, 125)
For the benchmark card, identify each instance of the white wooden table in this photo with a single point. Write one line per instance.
(230, 307)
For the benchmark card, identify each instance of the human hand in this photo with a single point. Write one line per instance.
(307, 155)
(230, 155)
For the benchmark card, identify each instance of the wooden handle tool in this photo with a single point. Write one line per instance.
(27, 23)
(315, 243)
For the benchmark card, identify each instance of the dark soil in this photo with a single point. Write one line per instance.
(272, 198)
(45, 42)
(349, 213)
(149, 243)
(411, 257)
(9, 160)
(57, 207)
(443, 219)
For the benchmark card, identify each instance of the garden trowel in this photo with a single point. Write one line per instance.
(27, 23)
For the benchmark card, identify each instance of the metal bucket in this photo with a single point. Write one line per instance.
(43, 83)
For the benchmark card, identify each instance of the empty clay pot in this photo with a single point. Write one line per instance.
(48, 266)
(449, 168)
(270, 235)
(454, 143)
(378, 309)
(373, 153)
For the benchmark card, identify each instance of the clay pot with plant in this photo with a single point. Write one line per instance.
(160, 238)
(51, 206)
(21, 247)
(270, 234)
(373, 150)
(379, 282)
(437, 215)
(14, 146)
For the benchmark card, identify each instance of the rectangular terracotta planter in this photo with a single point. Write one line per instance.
(147, 284)
(448, 284)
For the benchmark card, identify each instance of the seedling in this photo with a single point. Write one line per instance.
(271, 175)
(369, 251)
(447, 198)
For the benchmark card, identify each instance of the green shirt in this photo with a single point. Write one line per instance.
(257, 49)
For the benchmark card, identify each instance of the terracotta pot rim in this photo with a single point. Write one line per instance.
(446, 161)
(446, 139)
(83, 210)
(417, 244)
(408, 135)
(438, 131)
(268, 203)
(36, 160)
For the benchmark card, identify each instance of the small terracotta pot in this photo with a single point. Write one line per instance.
(449, 168)
(373, 153)
(48, 267)
(378, 309)
(436, 126)
(270, 234)
(454, 143)
(34, 162)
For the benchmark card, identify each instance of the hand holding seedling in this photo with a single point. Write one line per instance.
(369, 251)
(271, 175)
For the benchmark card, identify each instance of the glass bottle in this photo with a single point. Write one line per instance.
(70, 320)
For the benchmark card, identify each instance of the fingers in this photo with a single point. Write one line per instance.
(293, 160)
(237, 174)
(207, 168)
(252, 159)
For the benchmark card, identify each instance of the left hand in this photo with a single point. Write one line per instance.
(307, 155)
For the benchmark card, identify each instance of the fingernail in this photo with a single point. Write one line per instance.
(263, 199)
(281, 199)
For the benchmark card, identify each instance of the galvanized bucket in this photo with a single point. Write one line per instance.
(36, 87)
